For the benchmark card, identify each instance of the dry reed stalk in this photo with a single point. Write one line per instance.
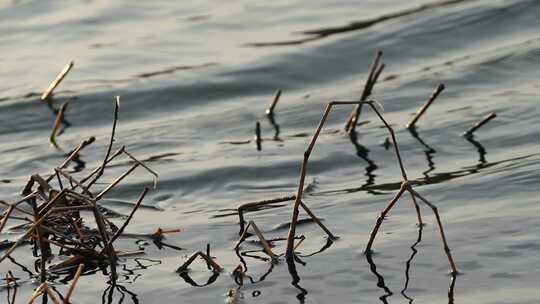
(74, 181)
(50, 294)
(15, 204)
(255, 205)
(260, 236)
(73, 154)
(5, 217)
(43, 289)
(423, 109)
(73, 283)
(49, 92)
(270, 110)
(441, 229)
(316, 220)
(116, 181)
(41, 218)
(258, 139)
(300, 191)
(184, 267)
(126, 222)
(374, 73)
(57, 123)
(36, 293)
(97, 169)
(152, 172)
(105, 240)
(111, 141)
(302, 239)
(478, 125)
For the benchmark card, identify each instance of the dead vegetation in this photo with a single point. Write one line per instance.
(59, 214)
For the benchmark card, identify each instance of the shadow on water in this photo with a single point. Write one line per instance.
(408, 264)
(429, 151)
(318, 34)
(187, 278)
(433, 179)
(380, 279)
(108, 296)
(382, 284)
(362, 152)
(481, 152)
(301, 296)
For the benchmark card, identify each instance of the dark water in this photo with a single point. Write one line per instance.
(195, 77)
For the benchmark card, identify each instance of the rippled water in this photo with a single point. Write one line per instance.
(195, 77)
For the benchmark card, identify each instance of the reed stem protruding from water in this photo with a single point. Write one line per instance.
(270, 110)
(426, 105)
(478, 125)
(374, 73)
(49, 92)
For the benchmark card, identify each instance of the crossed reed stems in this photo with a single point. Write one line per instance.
(406, 186)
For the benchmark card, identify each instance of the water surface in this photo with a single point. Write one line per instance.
(195, 77)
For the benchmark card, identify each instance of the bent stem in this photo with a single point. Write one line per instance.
(289, 254)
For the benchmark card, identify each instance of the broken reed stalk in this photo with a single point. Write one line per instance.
(260, 236)
(270, 110)
(184, 267)
(290, 255)
(49, 92)
(73, 283)
(258, 139)
(478, 125)
(374, 73)
(43, 289)
(255, 205)
(57, 123)
(423, 109)
(300, 241)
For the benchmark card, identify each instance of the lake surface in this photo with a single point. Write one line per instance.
(195, 76)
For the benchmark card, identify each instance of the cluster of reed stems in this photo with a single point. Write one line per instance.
(52, 208)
